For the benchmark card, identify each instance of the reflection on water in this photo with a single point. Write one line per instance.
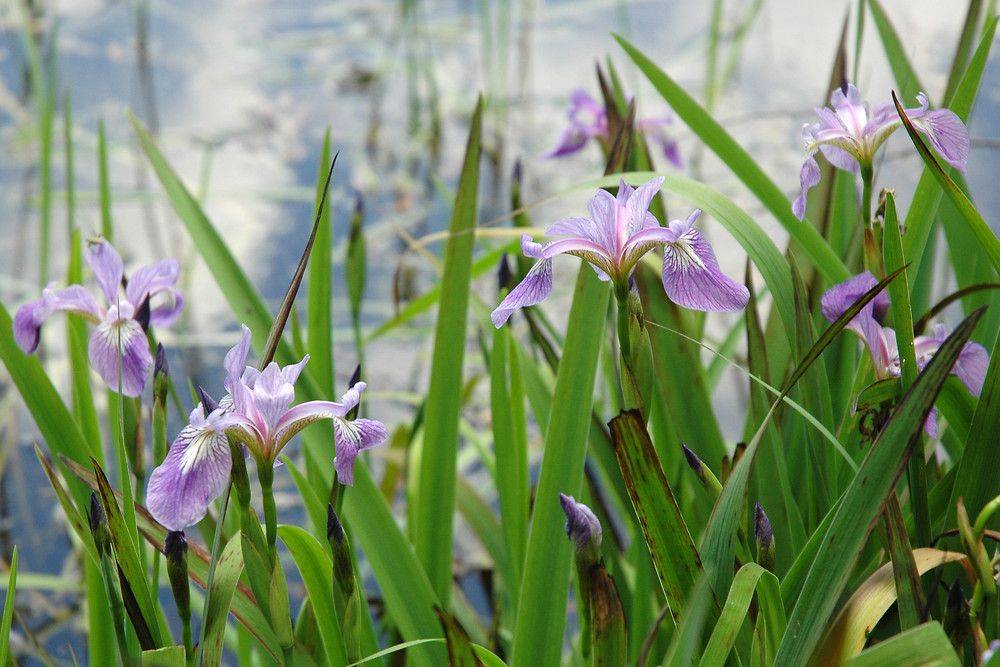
(239, 94)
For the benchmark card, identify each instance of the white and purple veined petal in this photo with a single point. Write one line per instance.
(272, 394)
(808, 179)
(236, 359)
(107, 266)
(537, 285)
(352, 438)
(119, 351)
(945, 130)
(691, 274)
(29, 318)
(194, 472)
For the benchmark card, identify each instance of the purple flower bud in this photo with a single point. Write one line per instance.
(334, 529)
(209, 403)
(175, 545)
(98, 525)
(160, 367)
(762, 527)
(692, 459)
(582, 526)
(504, 274)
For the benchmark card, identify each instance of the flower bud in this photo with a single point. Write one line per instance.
(175, 549)
(207, 401)
(582, 527)
(161, 375)
(504, 275)
(764, 535)
(705, 476)
(343, 572)
(99, 525)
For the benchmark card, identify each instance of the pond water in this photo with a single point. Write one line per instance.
(239, 94)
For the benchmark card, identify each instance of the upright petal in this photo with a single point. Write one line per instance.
(602, 208)
(193, 474)
(291, 372)
(352, 438)
(537, 285)
(808, 178)
(106, 264)
(152, 278)
(692, 278)
(637, 205)
(272, 395)
(29, 318)
(119, 344)
(236, 358)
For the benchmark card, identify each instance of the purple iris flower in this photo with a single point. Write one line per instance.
(850, 133)
(588, 119)
(257, 412)
(619, 231)
(119, 342)
(880, 340)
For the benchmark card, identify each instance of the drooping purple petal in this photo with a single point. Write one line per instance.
(843, 295)
(571, 139)
(691, 274)
(29, 318)
(537, 285)
(107, 266)
(948, 135)
(193, 474)
(152, 278)
(808, 178)
(119, 345)
(353, 437)
(973, 361)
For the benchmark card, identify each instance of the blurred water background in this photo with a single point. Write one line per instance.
(239, 94)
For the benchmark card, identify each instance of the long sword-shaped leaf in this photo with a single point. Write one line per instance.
(314, 565)
(666, 533)
(926, 644)
(742, 165)
(227, 575)
(863, 500)
(8, 610)
(751, 578)
(541, 613)
(432, 528)
(319, 325)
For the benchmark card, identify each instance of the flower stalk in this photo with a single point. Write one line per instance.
(175, 549)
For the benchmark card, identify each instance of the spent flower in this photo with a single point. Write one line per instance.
(619, 231)
(850, 132)
(119, 341)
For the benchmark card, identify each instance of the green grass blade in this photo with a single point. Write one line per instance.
(902, 70)
(743, 166)
(104, 184)
(315, 566)
(76, 341)
(687, 639)
(227, 575)
(863, 501)
(319, 329)
(666, 533)
(541, 615)
(8, 609)
(750, 579)
(432, 528)
(926, 644)
(966, 208)
(511, 448)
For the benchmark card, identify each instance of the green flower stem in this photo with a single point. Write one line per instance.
(265, 473)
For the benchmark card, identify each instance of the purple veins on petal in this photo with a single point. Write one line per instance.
(691, 274)
(107, 266)
(836, 300)
(808, 179)
(119, 351)
(194, 472)
(352, 438)
(537, 285)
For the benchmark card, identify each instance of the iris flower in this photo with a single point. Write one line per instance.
(258, 413)
(619, 231)
(119, 342)
(588, 119)
(970, 367)
(850, 133)
(582, 525)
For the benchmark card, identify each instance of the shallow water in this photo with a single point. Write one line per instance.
(239, 94)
